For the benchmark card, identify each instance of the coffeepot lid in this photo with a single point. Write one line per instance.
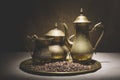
(81, 18)
(55, 32)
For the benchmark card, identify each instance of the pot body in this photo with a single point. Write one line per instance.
(81, 49)
(41, 50)
(58, 48)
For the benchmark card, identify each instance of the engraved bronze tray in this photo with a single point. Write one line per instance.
(26, 67)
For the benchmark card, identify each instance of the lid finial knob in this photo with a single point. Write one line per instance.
(56, 25)
(81, 11)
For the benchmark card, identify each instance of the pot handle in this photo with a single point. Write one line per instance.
(33, 37)
(72, 36)
(98, 25)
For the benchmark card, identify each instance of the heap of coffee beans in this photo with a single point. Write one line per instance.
(61, 66)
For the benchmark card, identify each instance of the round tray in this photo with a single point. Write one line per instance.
(25, 66)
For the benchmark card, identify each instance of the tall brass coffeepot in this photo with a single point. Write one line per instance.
(81, 48)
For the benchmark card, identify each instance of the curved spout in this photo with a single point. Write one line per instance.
(67, 41)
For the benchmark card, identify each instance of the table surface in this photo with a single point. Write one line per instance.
(9, 68)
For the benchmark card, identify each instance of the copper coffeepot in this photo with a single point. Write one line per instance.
(81, 48)
(41, 52)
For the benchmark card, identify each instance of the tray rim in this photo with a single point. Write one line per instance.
(59, 73)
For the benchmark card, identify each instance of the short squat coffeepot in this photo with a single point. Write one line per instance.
(51, 47)
(81, 48)
(58, 48)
